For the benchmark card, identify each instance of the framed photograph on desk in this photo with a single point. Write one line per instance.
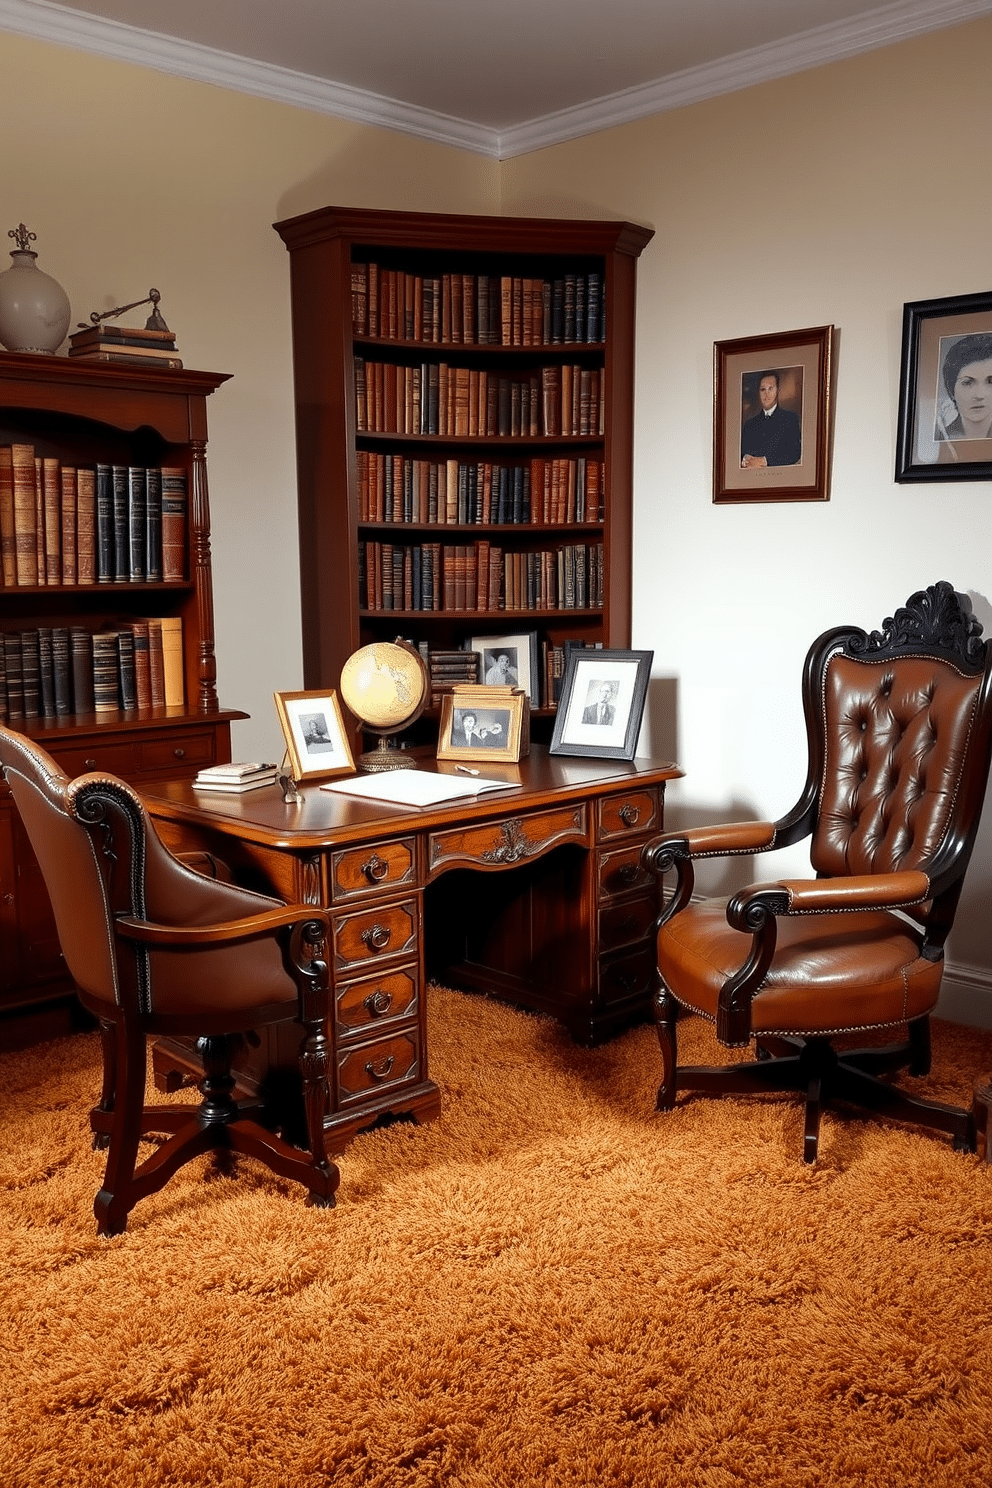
(313, 728)
(483, 723)
(602, 703)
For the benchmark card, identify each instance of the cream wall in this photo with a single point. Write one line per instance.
(829, 197)
(132, 179)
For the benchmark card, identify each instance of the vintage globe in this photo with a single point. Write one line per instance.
(386, 686)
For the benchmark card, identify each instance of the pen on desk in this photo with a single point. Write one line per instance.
(464, 770)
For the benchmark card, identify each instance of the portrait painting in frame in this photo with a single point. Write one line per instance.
(945, 390)
(772, 416)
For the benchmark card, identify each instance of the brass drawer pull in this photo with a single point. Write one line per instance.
(378, 1002)
(375, 869)
(376, 937)
(629, 815)
(90, 764)
(381, 1070)
(628, 873)
(179, 753)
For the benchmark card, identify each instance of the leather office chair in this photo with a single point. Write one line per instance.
(156, 948)
(899, 726)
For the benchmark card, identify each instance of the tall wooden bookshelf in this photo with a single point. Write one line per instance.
(431, 353)
(77, 416)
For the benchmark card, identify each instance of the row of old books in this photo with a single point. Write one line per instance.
(63, 671)
(560, 401)
(479, 576)
(477, 309)
(396, 488)
(103, 524)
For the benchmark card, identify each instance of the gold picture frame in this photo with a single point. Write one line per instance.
(313, 727)
(484, 723)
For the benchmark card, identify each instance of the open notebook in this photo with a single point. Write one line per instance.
(417, 787)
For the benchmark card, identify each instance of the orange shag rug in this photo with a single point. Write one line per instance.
(551, 1285)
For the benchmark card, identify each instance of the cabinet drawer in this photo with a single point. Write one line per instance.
(114, 758)
(384, 868)
(375, 1000)
(621, 872)
(626, 922)
(365, 1069)
(631, 811)
(501, 843)
(375, 934)
(178, 753)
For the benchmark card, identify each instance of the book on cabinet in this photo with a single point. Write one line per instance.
(464, 393)
(91, 571)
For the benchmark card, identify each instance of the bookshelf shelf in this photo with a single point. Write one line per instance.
(75, 417)
(437, 360)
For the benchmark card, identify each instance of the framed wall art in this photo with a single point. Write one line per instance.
(772, 416)
(313, 728)
(945, 390)
(483, 723)
(601, 704)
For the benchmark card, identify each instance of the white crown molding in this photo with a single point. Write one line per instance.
(814, 48)
(45, 21)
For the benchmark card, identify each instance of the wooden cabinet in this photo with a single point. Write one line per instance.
(464, 407)
(80, 416)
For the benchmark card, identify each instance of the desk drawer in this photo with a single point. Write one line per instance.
(372, 1001)
(366, 1069)
(626, 922)
(630, 811)
(500, 844)
(383, 869)
(621, 872)
(628, 977)
(375, 934)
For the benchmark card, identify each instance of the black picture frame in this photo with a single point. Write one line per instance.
(617, 679)
(795, 465)
(933, 438)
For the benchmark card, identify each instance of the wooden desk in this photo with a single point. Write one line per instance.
(536, 896)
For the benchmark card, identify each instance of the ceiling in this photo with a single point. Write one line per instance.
(497, 76)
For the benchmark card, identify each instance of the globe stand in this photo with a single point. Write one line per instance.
(387, 686)
(384, 757)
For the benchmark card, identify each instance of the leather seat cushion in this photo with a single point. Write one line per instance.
(831, 973)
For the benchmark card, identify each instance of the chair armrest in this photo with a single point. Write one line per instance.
(175, 937)
(678, 849)
(828, 896)
(716, 841)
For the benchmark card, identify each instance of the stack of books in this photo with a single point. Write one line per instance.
(236, 778)
(450, 669)
(133, 345)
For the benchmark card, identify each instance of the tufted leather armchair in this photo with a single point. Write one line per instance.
(899, 726)
(158, 948)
